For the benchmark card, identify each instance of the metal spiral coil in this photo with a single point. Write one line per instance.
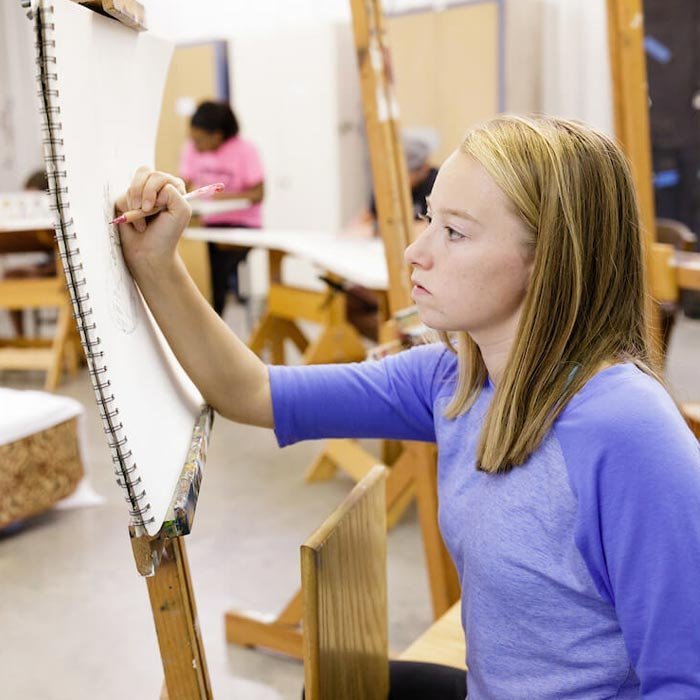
(123, 484)
(136, 497)
(117, 458)
(128, 470)
(138, 513)
(116, 444)
(78, 300)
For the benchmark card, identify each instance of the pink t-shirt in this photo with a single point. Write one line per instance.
(237, 164)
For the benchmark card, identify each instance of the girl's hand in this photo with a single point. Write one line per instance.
(150, 244)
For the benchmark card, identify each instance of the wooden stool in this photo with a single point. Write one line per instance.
(442, 643)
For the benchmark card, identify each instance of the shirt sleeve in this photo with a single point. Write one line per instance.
(254, 173)
(635, 469)
(187, 155)
(391, 398)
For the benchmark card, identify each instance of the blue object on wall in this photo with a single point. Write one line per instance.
(656, 50)
(666, 178)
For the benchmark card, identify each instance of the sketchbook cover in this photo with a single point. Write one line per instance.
(101, 94)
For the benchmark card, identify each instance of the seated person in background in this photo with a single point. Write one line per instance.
(361, 304)
(216, 153)
(418, 147)
(36, 182)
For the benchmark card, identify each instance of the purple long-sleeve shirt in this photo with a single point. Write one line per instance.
(580, 570)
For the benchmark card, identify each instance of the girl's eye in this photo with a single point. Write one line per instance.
(425, 217)
(453, 235)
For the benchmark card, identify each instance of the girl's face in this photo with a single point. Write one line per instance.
(206, 140)
(471, 264)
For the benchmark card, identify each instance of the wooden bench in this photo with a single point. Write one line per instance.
(442, 643)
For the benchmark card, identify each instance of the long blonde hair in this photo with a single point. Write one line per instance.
(586, 302)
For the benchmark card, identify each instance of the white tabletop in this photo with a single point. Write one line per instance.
(358, 260)
(207, 207)
(34, 224)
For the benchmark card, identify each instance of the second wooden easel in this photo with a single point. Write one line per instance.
(413, 468)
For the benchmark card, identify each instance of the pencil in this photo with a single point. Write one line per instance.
(136, 214)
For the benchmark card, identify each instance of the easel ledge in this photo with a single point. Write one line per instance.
(129, 12)
(148, 549)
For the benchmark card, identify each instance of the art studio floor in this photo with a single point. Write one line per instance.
(74, 614)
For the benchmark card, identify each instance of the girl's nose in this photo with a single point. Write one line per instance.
(417, 253)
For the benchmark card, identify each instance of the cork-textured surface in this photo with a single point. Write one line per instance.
(38, 471)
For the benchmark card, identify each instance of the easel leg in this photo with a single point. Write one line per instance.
(58, 348)
(177, 626)
(283, 634)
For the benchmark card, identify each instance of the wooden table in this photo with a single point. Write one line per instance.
(49, 355)
(358, 260)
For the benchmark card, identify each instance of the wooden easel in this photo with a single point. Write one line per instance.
(162, 558)
(631, 111)
(413, 465)
(413, 471)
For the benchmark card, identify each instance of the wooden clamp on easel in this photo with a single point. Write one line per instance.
(162, 558)
(413, 472)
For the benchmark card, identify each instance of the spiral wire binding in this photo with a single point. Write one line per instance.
(69, 251)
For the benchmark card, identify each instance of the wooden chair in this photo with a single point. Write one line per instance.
(676, 234)
(343, 569)
(49, 355)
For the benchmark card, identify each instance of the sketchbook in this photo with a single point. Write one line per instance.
(100, 88)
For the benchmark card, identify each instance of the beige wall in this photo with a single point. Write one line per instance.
(446, 69)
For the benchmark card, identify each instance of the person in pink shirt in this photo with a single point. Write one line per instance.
(216, 153)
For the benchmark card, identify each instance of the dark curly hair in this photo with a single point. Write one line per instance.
(215, 116)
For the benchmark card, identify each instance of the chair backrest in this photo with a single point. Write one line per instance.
(675, 233)
(343, 570)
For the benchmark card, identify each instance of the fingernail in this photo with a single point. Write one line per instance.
(137, 203)
(147, 204)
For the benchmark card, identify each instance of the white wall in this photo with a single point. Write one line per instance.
(557, 59)
(20, 145)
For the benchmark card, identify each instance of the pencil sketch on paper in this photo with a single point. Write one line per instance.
(121, 290)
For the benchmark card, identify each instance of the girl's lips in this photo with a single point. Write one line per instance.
(419, 290)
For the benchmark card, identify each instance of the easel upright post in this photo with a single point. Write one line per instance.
(631, 113)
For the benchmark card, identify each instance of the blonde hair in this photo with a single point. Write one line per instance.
(586, 301)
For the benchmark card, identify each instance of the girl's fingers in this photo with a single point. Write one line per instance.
(121, 205)
(155, 185)
(152, 187)
(134, 193)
